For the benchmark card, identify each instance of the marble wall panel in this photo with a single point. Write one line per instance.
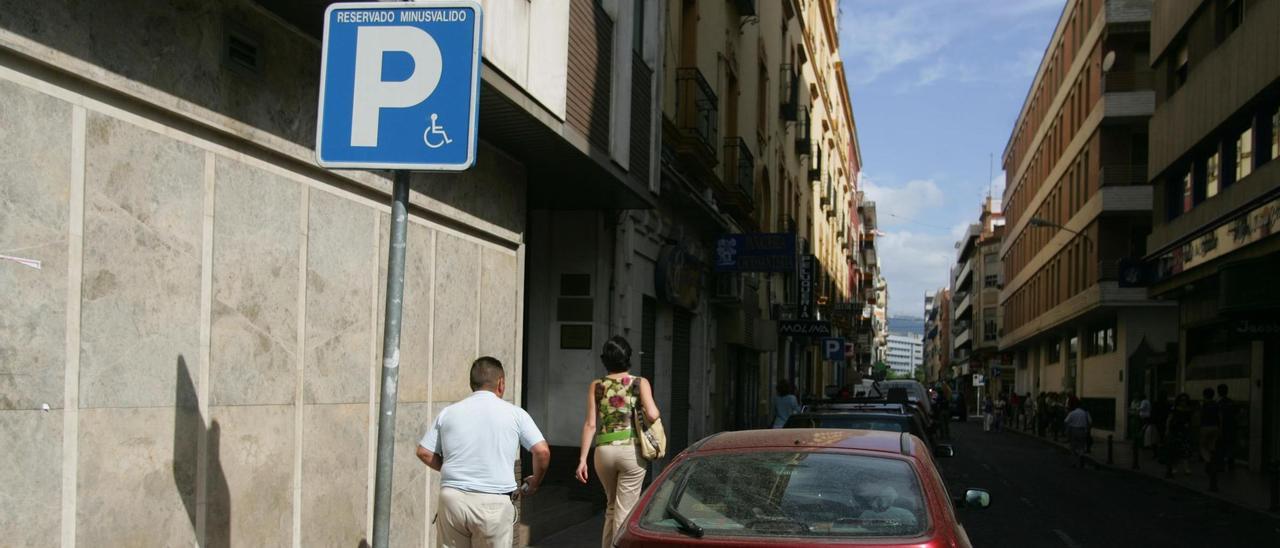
(409, 484)
(144, 196)
(456, 308)
(415, 327)
(340, 255)
(335, 455)
(255, 286)
(136, 480)
(31, 473)
(493, 191)
(249, 477)
(35, 179)
(499, 298)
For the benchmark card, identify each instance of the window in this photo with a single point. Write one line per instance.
(1244, 154)
(1101, 340)
(991, 280)
(1055, 352)
(1213, 175)
(637, 27)
(1275, 135)
(1231, 16)
(751, 493)
(1188, 196)
(1180, 67)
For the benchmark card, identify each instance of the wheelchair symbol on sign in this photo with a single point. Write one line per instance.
(435, 136)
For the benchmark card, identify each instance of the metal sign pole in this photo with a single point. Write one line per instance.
(390, 359)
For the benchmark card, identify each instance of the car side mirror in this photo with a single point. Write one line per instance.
(944, 451)
(976, 498)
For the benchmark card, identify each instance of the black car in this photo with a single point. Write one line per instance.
(902, 408)
(867, 419)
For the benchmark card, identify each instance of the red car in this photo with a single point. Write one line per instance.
(800, 487)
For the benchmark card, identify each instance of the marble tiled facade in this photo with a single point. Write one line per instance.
(230, 304)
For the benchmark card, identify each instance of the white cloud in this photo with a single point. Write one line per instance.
(881, 37)
(915, 263)
(905, 204)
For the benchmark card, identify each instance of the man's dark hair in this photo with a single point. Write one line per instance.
(485, 373)
(616, 355)
(1222, 390)
(1208, 393)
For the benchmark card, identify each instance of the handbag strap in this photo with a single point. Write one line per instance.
(636, 418)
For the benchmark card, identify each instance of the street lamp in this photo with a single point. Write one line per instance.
(1038, 222)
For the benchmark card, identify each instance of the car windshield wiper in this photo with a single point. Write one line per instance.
(687, 525)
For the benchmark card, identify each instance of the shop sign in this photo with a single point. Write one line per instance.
(772, 252)
(1241, 231)
(804, 328)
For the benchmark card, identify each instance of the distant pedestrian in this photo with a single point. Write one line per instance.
(610, 428)
(1079, 425)
(988, 414)
(942, 410)
(1210, 426)
(785, 403)
(1227, 442)
(474, 444)
(1178, 436)
(999, 408)
(1160, 410)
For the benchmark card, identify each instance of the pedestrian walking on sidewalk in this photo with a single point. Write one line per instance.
(474, 444)
(942, 410)
(785, 403)
(1178, 436)
(1079, 425)
(608, 427)
(999, 411)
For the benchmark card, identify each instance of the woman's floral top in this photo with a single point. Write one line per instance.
(614, 401)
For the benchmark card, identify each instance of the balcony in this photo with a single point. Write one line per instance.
(697, 119)
(738, 189)
(965, 278)
(965, 306)
(804, 134)
(815, 164)
(746, 8)
(790, 93)
(1128, 80)
(1124, 174)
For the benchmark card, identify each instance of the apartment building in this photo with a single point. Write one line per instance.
(937, 335)
(1078, 210)
(976, 323)
(904, 353)
(1213, 250)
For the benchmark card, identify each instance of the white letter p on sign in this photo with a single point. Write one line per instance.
(371, 93)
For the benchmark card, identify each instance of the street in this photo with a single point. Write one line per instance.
(1038, 499)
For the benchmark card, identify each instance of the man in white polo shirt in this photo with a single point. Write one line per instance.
(474, 444)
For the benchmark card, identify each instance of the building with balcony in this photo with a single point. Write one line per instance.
(976, 318)
(1213, 249)
(1077, 212)
(937, 336)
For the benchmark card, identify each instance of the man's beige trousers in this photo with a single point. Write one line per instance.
(469, 520)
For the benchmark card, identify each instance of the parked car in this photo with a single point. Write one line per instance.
(886, 420)
(916, 392)
(800, 487)
(907, 408)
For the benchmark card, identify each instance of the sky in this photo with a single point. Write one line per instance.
(936, 86)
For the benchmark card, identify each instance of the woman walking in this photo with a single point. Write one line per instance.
(608, 427)
(1178, 429)
(785, 404)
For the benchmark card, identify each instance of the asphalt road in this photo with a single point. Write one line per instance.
(1038, 499)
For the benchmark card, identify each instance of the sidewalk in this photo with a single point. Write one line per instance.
(1240, 487)
(582, 535)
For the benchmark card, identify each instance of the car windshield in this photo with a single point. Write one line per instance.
(856, 422)
(791, 494)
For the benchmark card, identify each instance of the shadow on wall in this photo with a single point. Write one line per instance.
(188, 429)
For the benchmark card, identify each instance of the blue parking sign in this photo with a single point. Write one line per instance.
(399, 85)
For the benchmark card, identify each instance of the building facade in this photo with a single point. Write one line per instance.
(937, 336)
(1213, 250)
(904, 354)
(977, 318)
(1078, 210)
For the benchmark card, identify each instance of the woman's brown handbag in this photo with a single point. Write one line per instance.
(653, 438)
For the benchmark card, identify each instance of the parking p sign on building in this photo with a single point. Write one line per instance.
(399, 84)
